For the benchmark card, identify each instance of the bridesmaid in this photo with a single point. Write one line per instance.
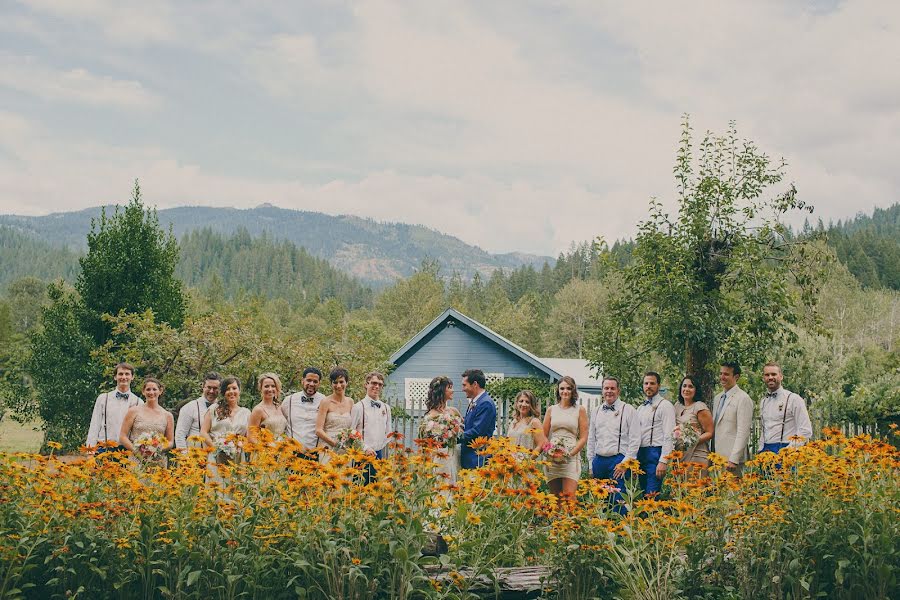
(526, 429)
(148, 419)
(690, 412)
(566, 422)
(267, 415)
(224, 418)
(334, 413)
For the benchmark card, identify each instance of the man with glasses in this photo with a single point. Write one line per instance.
(190, 416)
(372, 417)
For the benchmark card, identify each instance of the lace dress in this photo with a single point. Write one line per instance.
(220, 429)
(687, 417)
(334, 422)
(447, 459)
(564, 428)
(149, 425)
(275, 423)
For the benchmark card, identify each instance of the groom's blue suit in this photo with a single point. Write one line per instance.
(481, 419)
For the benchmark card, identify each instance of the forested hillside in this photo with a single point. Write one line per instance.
(372, 251)
(870, 247)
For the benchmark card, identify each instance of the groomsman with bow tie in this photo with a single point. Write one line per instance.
(732, 412)
(480, 420)
(657, 420)
(190, 417)
(109, 411)
(372, 417)
(301, 409)
(783, 416)
(615, 437)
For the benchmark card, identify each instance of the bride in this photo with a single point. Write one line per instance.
(435, 426)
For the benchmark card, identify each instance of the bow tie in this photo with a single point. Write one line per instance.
(648, 402)
(609, 407)
(305, 399)
(375, 403)
(771, 394)
(122, 395)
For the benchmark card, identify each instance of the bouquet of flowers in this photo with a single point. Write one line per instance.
(149, 448)
(556, 451)
(445, 428)
(686, 437)
(349, 439)
(228, 449)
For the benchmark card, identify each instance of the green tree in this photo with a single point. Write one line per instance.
(577, 308)
(722, 280)
(130, 267)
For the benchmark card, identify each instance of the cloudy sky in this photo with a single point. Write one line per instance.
(515, 125)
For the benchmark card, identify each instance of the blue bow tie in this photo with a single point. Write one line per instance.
(376, 403)
(648, 402)
(122, 395)
(609, 407)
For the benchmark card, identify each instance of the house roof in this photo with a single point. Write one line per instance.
(452, 314)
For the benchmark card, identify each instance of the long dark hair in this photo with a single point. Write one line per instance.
(437, 392)
(698, 392)
(223, 411)
(571, 381)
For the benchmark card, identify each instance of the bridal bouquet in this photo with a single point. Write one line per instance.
(686, 437)
(228, 449)
(445, 428)
(348, 439)
(556, 452)
(149, 448)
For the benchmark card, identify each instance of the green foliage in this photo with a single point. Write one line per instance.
(130, 267)
(868, 246)
(22, 255)
(716, 281)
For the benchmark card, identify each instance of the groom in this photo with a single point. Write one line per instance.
(481, 418)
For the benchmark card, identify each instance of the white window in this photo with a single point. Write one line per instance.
(416, 392)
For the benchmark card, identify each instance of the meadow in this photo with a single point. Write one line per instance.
(823, 523)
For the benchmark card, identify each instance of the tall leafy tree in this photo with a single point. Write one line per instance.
(722, 279)
(130, 267)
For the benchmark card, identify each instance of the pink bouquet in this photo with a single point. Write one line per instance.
(347, 439)
(149, 448)
(445, 428)
(556, 452)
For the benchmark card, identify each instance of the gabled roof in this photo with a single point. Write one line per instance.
(453, 314)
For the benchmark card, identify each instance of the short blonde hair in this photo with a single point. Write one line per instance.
(273, 377)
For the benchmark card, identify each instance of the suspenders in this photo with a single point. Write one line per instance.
(106, 415)
(652, 423)
(787, 405)
(619, 441)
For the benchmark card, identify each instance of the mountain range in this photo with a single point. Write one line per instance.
(376, 253)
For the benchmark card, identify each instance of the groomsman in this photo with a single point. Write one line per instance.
(372, 417)
(732, 412)
(657, 420)
(301, 409)
(190, 417)
(110, 408)
(615, 436)
(782, 414)
(481, 417)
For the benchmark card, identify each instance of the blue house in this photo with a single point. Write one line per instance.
(453, 343)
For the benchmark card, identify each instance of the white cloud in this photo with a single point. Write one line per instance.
(26, 74)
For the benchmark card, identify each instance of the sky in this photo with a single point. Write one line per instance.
(514, 125)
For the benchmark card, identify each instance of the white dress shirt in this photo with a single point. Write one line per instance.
(189, 421)
(614, 432)
(372, 418)
(109, 413)
(301, 417)
(657, 421)
(783, 415)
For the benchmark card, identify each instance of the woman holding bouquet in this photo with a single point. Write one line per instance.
(334, 415)
(526, 429)
(566, 428)
(693, 424)
(226, 418)
(443, 424)
(148, 430)
(267, 415)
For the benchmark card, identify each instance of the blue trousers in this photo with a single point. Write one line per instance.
(369, 472)
(774, 448)
(649, 457)
(602, 468)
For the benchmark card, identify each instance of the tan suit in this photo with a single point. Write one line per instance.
(732, 420)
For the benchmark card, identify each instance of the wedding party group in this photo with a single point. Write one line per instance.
(615, 436)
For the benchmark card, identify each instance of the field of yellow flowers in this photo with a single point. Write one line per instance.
(823, 524)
